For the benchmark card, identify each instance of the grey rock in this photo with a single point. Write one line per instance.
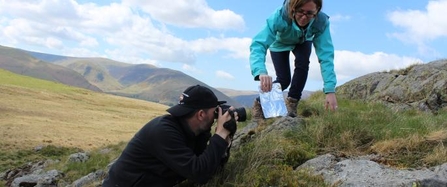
(421, 87)
(78, 157)
(96, 176)
(48, 179)
(362, 172)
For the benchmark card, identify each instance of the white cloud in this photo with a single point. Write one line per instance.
(129, 56)
(54, 43)
(224, 75)
(420, 27)
(189, 13)
(66, 25)
(81, 52)
(339, 17)
(191, 69)
(238, 47)
(116, 25)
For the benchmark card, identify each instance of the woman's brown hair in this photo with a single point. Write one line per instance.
(294, 4)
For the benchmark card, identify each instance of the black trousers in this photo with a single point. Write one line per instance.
(297, 81)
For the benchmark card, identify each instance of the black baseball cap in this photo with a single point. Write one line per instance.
(194, 98)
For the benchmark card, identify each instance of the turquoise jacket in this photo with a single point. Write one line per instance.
(282, 34)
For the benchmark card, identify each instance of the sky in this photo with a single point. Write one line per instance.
(209, 39)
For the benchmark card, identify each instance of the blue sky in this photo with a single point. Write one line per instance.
(209, 39)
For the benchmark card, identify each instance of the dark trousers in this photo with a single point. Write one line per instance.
(282, 67)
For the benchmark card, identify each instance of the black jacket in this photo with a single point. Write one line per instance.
(164, 153)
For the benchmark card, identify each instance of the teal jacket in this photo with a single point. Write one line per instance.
(282, 34)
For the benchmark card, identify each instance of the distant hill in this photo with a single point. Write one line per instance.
(21, 62)
(141, 81)
(46, 57)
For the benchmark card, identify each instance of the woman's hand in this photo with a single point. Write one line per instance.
(266, 82)
(331, 102)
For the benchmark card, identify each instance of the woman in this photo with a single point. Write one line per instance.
(294, 27)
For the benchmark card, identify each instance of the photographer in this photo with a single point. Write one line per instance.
(172, 148)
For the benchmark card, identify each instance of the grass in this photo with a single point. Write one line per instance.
(66, 120)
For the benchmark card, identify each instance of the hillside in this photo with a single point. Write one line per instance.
(36, 112)
(140, 81)
(20, 62)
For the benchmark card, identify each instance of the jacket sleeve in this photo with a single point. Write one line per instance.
(172, 150)
(260, 44)
(202, 142)
(324, 50)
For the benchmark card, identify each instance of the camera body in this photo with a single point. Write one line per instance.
(232, 125)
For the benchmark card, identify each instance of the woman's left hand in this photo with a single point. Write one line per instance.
(331, 102)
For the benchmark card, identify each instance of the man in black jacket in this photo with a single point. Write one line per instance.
(172, 148)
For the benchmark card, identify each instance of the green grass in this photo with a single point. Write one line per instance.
(11, 79)
(14, 159)
(98, 160)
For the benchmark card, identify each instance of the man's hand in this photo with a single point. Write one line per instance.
(221, 119)
(266, 82)
(331, 102)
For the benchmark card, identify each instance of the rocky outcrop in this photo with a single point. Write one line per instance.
(254, 128)
(362, 171)
(35, 174)
(420, 86)
(32, 174)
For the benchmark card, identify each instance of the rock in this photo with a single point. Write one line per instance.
(96, 176)
(78, 157)
(421, 87)
(48, 179)
(362, 172)
(256, 127)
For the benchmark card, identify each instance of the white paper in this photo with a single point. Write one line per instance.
(272, 102)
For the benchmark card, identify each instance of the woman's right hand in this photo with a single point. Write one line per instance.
(266, 82)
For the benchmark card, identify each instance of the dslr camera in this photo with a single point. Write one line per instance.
(231, 124)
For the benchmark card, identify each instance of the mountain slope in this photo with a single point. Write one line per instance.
(142, 81)
(20, 62)
(36, 112)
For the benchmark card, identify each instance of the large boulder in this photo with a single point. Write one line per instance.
(363, 171)
(420, 86)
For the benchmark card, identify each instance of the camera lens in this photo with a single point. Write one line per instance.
(241, 113)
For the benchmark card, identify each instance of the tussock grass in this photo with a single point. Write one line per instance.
(359, 128)
(269, 160)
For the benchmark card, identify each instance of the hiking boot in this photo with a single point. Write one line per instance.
(292, 105)
(256, 111)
